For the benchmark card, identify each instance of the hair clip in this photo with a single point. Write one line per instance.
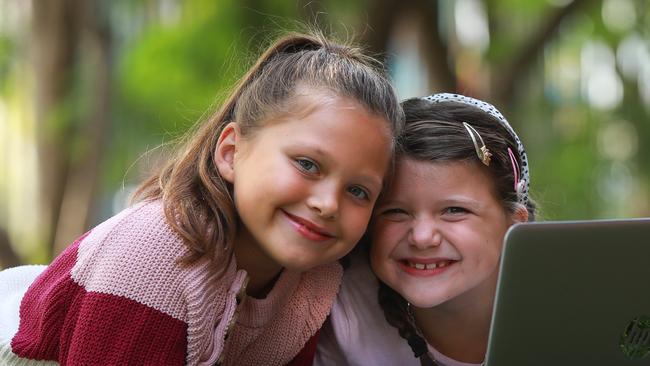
(524, 175)
(515, 169)
(482, 152)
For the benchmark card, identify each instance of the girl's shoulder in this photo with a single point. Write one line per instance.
(136, 254)
(134, 237)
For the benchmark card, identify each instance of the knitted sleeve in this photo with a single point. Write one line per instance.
(61, 321)
(99, 304)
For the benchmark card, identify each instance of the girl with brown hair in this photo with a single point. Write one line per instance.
(230, 253)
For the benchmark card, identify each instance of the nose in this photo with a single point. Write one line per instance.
(424, 234)
(325, 202)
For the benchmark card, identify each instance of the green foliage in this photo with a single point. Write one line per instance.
(174, 74)
(6, 56)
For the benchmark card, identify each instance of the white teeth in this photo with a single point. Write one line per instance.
(428, 265)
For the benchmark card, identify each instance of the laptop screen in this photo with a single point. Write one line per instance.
(573, 293)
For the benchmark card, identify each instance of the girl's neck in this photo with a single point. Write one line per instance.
(457, 331)
(261, 269)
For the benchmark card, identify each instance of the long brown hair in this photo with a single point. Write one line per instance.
(197, 201)
(434, 132)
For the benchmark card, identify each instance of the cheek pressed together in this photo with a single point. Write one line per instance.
(438, 232)
(322, 172)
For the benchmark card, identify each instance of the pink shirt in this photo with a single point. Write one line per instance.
(356, 333)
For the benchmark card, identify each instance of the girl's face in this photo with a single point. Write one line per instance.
(437, 233)
(305, 185)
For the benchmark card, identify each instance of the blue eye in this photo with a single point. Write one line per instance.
(359, 192)
(307, 165)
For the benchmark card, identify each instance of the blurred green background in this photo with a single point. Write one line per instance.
(90, 90)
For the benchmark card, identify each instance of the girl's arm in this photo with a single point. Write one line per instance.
(61, 320)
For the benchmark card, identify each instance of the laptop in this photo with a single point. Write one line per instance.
(573, 293)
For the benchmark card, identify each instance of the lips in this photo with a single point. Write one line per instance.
(309, 229)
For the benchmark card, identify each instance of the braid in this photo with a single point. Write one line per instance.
(396, 313)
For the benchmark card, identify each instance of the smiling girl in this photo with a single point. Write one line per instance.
(461, 181)
(230, 254)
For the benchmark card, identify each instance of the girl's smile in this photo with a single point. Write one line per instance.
(305, 184)
(425, 266)
(309, 229)
(438, 231)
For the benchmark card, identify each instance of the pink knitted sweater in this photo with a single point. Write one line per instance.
(119, 296)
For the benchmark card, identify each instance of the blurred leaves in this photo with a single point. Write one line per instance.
(6, 58)
(172, 62)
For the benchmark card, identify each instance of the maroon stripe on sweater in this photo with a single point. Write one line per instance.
(306, 355)
(61, 321)
(113, 330)
(45, 306)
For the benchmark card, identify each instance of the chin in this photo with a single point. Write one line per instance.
(423, 300)
(299, 264)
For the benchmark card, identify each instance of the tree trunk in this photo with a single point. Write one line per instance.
(54, 29)
(8, 257)
(524, 59)
(387, 13)
(71, 49)
(83, 179)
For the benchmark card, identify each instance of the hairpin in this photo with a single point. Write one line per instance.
(515, 167)
(482, 152)
(523, 174)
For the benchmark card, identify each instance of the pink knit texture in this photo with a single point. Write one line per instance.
(269, 330)
(123, 296)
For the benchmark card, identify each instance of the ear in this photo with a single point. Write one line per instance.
(520, 214)
(225, 151)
